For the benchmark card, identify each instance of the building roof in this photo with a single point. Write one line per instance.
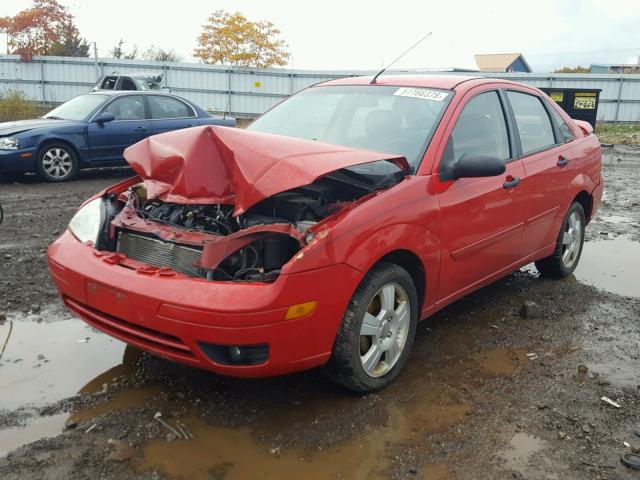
(498, 62)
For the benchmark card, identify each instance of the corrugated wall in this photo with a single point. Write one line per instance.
(250, 92)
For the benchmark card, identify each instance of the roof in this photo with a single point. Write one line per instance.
(498, 62)
(446, 82)
(112, 93)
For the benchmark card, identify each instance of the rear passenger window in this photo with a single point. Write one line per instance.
(534, 124)
(565, 131)
(167, 107)
(480, 129)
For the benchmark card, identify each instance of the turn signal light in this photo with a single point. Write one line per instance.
(300, 310)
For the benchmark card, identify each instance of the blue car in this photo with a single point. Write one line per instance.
(93, 130)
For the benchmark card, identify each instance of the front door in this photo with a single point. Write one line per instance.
(108, 140)
(482, 219)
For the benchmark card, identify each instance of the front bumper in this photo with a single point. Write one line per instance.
(169, 314)
(18, 161)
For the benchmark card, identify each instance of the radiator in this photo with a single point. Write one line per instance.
(152, 251)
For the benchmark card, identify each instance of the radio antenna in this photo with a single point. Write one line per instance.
(373, 80)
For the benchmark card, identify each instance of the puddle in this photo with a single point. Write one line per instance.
(49, 356)
(35, 429)
(521, 449)
(612, 265)
(501, 361)
(433, 407)
(232, 454)
(436, 471)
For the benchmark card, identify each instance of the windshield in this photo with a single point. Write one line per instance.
(78, 108)
(395, 120)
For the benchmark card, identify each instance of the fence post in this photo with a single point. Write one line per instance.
(44, 100)
(619, 99)
(229, 91)
(290, 83)
(550, 81)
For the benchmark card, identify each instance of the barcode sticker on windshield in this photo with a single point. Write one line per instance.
(422, 93)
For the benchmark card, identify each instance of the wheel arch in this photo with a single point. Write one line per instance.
(412, 263)
(586, 200)
(50, 140)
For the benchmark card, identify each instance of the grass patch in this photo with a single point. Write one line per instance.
(15, 106)
(618, 134)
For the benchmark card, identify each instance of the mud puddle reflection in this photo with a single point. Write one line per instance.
(433, 406)
(35, 429)
(611, 265)
(520, 452)
(49, 356)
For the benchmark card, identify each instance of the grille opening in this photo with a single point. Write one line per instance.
(160, 253)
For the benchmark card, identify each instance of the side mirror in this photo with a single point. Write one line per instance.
(474, 165)
(105, 117)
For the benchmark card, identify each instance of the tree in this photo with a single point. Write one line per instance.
(232, 39)
(158, 54)
(41, 28)
(577, 69)
(70, 44)
(118, 51)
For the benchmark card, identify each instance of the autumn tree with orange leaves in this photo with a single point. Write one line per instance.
(45, 28)
(232, 39)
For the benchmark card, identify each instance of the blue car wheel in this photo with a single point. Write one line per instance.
(57, 162)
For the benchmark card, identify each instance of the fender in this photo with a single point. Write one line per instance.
(353, 240)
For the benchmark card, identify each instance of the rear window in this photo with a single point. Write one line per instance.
(565, 131)
(534, 124)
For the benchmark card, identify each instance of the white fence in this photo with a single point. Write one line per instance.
(249, 92)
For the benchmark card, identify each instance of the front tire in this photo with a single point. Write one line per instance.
(57, 162)
(377, 331)
(564, 259)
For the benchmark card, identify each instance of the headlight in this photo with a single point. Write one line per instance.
(86, 223)
(8, 143)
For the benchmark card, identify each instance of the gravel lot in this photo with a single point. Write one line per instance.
(486, 393)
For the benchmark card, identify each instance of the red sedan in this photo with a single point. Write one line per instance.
(321, 234)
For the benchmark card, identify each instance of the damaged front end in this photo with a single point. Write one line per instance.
(230, 205)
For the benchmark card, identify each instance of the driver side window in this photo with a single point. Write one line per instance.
(480, 129)
(130, 107)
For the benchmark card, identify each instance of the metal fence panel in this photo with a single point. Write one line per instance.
(242, 91)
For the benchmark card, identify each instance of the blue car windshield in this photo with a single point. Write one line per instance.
(395, 120)
(78, 108)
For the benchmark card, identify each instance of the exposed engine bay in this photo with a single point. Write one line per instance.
(252, 246)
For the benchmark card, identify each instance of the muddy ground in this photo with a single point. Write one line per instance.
(487, 394)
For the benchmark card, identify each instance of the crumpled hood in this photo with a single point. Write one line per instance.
(213, 164)
(11, 128)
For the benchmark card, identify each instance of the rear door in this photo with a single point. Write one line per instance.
(169, 113)
(546, 157)
(108, 140)
(482, 219)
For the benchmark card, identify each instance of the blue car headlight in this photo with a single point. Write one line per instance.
(9, 143)
(86, 223)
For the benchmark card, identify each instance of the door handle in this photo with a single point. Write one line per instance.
(514, 182)
(140, 129)
(562, 161)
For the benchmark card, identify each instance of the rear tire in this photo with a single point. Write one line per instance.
(564, 259)
(369, 355)
(57, 162)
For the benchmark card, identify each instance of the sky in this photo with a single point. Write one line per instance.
(365, 35)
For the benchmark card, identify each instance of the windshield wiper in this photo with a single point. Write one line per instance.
(53, 117)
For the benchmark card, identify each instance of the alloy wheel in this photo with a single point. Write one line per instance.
(57, 163)
(572, 239)
(385, 329)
